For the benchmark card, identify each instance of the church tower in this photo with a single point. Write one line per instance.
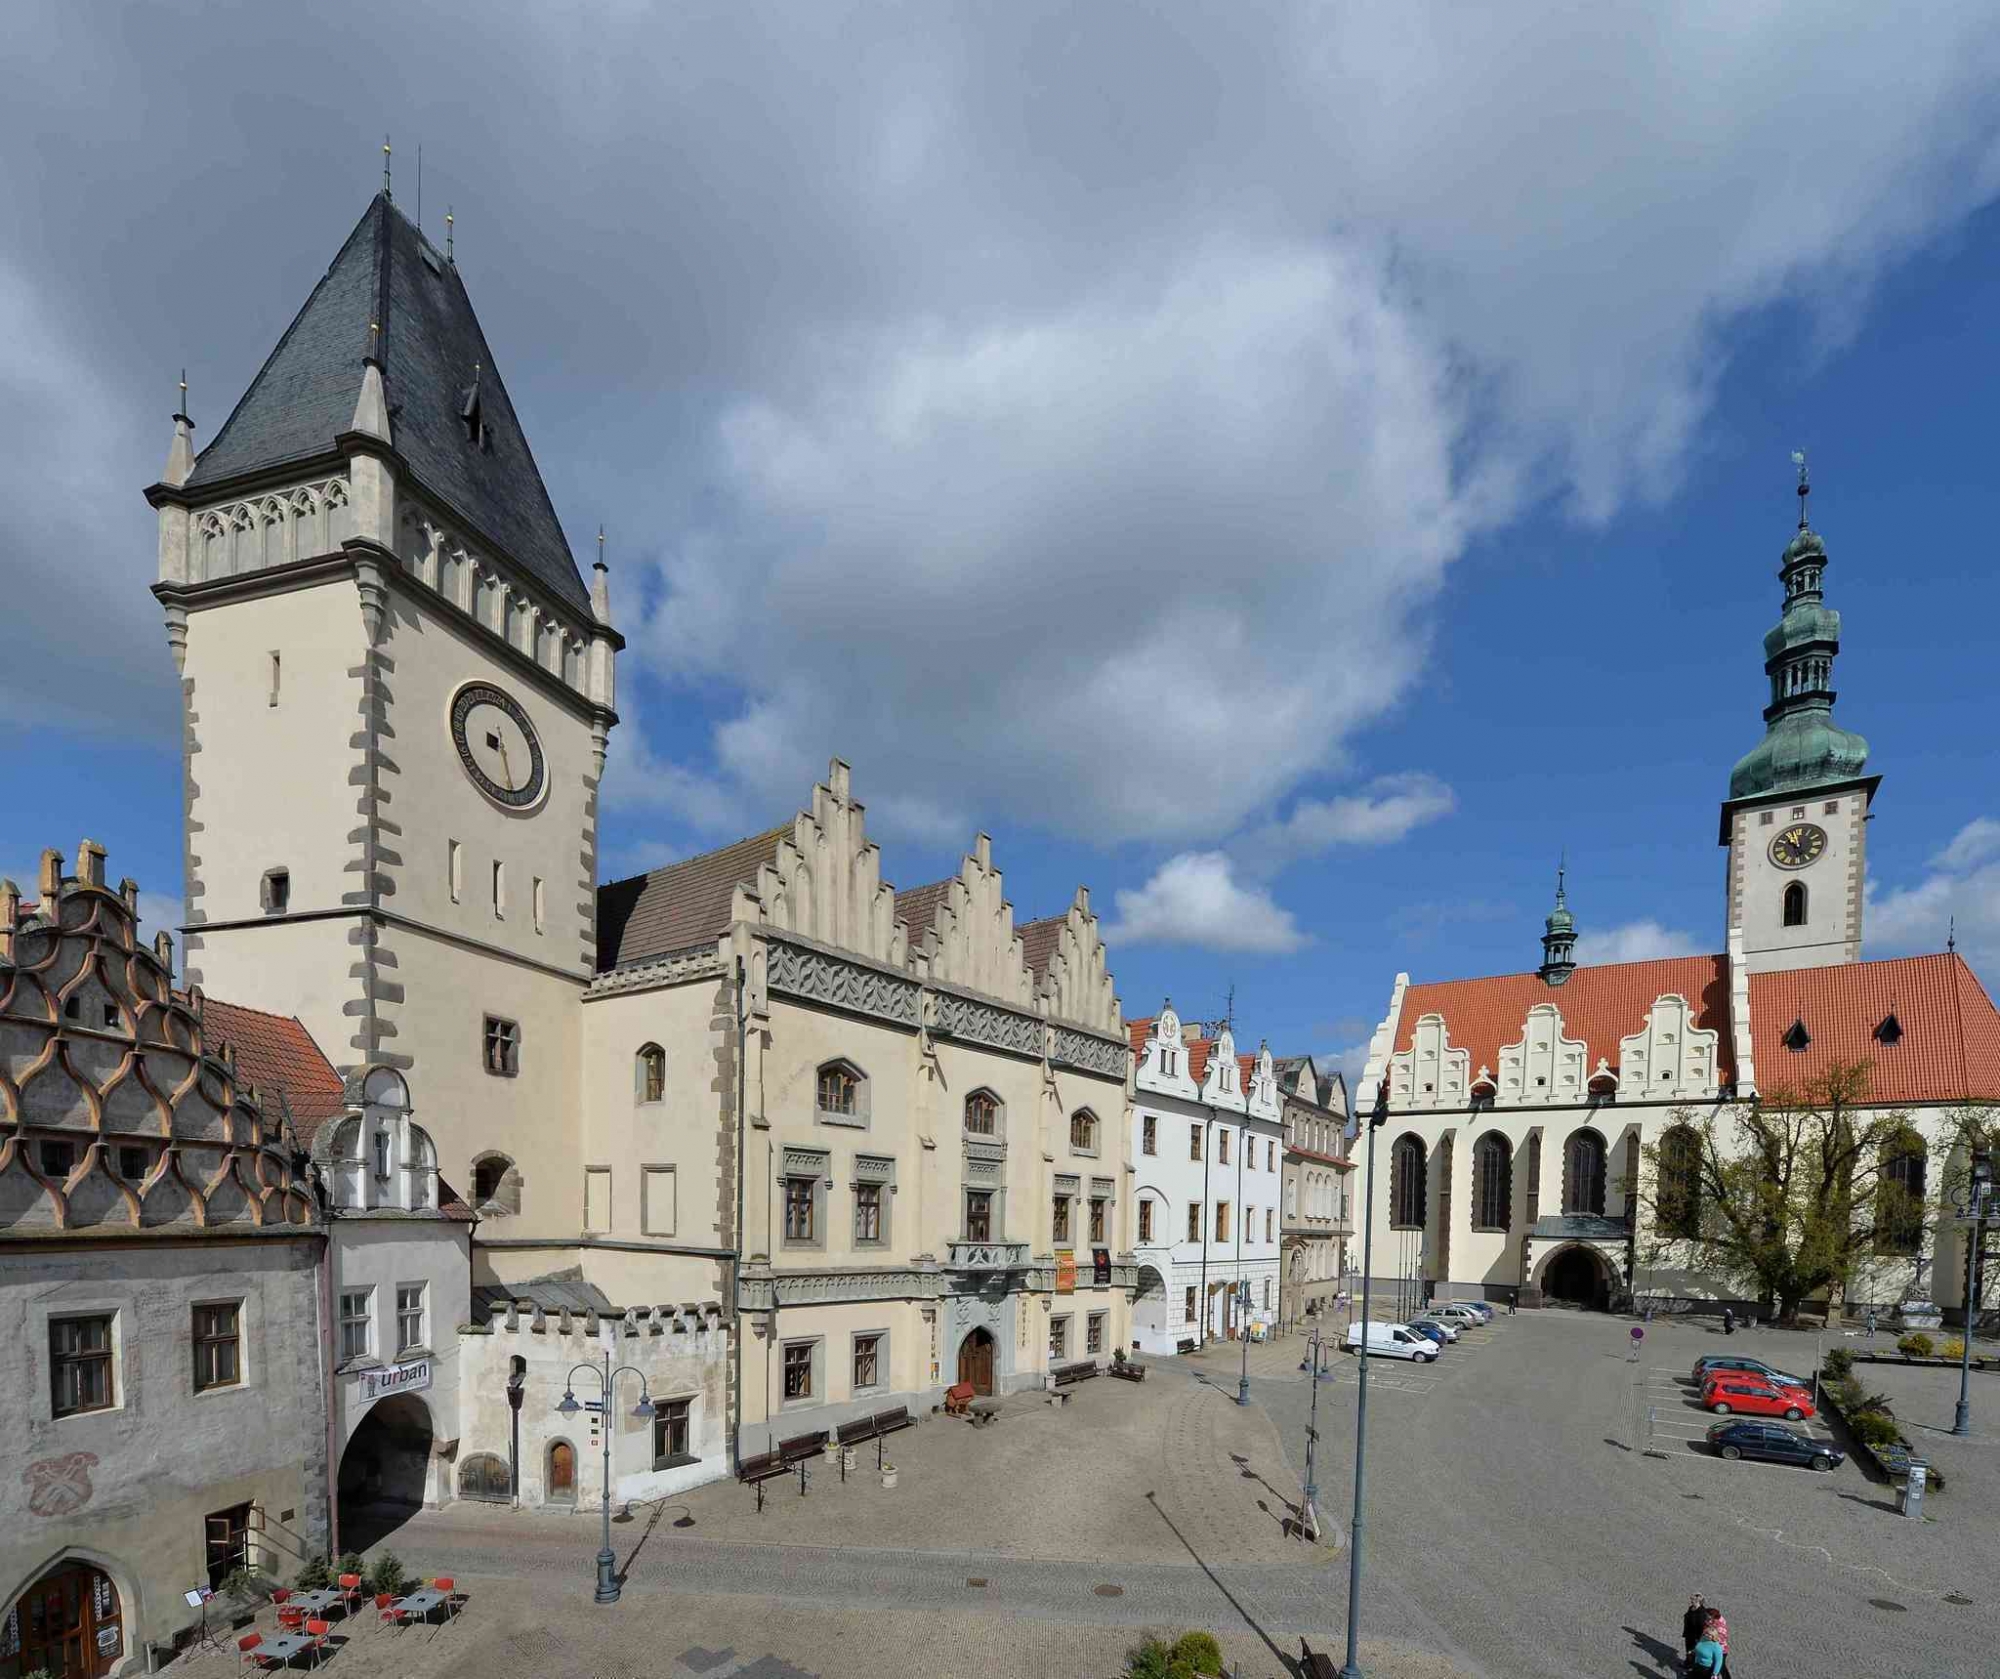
(1795, 819)
(396, 697)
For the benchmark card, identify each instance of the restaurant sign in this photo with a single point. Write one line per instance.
(413, 1377)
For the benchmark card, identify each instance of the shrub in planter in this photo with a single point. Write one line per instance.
(1953, 1349)
(317, 1575)
(1914, 1345)
(1200, 1651)
(386, 1575)
(1836, 1364)
(1154, 1659)
(1871, 1428)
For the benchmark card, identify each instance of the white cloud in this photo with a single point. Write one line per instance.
(1635, 941)
(1194, 899)
(1959, 898)
(1380, 814)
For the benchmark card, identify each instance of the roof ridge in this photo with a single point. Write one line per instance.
(698, 857)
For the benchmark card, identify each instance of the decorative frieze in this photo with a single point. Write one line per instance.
(985, 1150)
(1088, 1053)
(959, 1016)
(988, 1256)
(676, 967)
(274, 529)
(1068, 1183)
(874, 1168)
(818, 976)
(983, 1174)
(822, 1288)
(806, 1163)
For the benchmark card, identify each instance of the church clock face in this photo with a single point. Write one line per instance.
(498, 746)
(1798, 845)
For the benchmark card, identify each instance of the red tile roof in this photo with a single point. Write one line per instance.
(1199, 1050)
(1246, 1070)
(1039, 940)
(1950, 1049)
(278, 1055)
(1141, 1033)
(917, 908)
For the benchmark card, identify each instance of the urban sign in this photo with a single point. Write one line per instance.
(413, 1377)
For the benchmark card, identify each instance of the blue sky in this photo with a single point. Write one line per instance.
(1296, 481)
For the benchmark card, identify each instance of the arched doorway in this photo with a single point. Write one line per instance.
(1149, 1310)
(1577, 1277)
(559, 1483)
(384, 1469)
(975, 1361)
(69, 1624)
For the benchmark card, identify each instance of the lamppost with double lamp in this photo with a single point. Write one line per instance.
(1378, 1118)
(607, 1562)
(1971, 1210)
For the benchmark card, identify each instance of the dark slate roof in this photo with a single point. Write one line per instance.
(917, 908)
(684, 904)
(304, 396)
(490, 1300)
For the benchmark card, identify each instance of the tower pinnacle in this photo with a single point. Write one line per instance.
(1559, 935)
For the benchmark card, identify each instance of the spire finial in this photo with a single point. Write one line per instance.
(386, 193)
(1562, 868)
(180, 413)
(1805, 484)
(447, 233)
(1950, 935)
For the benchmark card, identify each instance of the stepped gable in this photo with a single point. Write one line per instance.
(1947, 1043)
(450, 418)
(1599, 1005)
(917, 908)
(684, 904)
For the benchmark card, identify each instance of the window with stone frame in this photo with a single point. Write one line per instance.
(1061, 1208)
(670, 1433)
(1098, 1221)
(1194, 1221)
(1222, 1145)
(1492, 1183)
(651, 1071)
(868, 1213)
(218, 1345)
(1269, 1214)
(1583, 1174)
(357, 1324)
(502, 1039)
(979, 1215)
(1222, 1221)
(1058, 1338)
(867, 1362)
(1188, 1304)
(1149, 1135)
(982, 1114)
(80, 1373)
(410, 1333)
(1083, 1131)
(1145, 1221)
(1677, 1197)
(798, 1369)
(1407, 1166)
(801, 1222)
(1194, 1142)
(839, 1092)
(1093, 1333)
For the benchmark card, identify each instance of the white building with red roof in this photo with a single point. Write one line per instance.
(1520, 1107)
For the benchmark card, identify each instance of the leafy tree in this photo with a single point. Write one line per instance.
(1792, 1191)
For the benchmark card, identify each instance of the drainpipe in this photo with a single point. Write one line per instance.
(330, 1387)
(736, 1264)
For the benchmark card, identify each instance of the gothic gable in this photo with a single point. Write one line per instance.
(970, 939)
(824, 881)
(1076, 983)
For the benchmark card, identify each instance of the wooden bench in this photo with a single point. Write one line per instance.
(1316, 1664)
(802, 1447)
(853, 1433)
(1126, 1371)
(763, 1467)
(1067, 1375)
(887, 1422)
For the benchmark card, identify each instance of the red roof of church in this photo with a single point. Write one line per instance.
(1950, 1048)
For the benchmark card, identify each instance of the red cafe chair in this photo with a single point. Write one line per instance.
(247, 1645)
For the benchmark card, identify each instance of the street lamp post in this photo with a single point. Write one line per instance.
(1376, 1120)
(1973, 1208)
(1309, 1499)
(1243, 1335)
(607, 1561)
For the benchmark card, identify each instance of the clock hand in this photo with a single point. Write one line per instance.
(505, 768)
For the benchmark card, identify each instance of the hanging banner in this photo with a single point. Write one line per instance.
(1065, 1270)
(1100, 1267)
(413, 1377)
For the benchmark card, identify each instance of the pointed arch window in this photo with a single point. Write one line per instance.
(1677, 1199)
(1492, 1183)
(1899, 1196)
(650, 1073)
(841, 1094)
(982, 1114)
(1407, 1163)
(1583, 1174)
(1083, 1131)
(1795, 904)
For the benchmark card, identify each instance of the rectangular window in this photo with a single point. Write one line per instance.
(1269, 1213)
(409, 1318)
(218, 1347)
(58, 1159)
(133, 1162)
(1061, 1219)
(499, 890)
(537, 895)
(597, 1198)
(799, 1370)
(1222, 1147)
(80, 1364)
(1194, 1142)
(656, 1200)
(1194, 1221)
(1097, 1218)
(1187, 1305)
(277, 891)
(277, 678)
(455, 868)
(670, 1433)
(1149, 1135)
(867, 1362)
(357, 1324)
(228, 1536)
(868, 1212)
(503, 1047)
(1093, 1333)
(1271, 1154)
(979, 1215)
(799, 1195)
(1222, 1221)
(1058, 1338)
(1145, 1221)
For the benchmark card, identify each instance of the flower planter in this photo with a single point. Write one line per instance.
(889, 1476)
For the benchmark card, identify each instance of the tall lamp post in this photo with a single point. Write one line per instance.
(1309, 1499)
(1972, 1209)
(607, 1561)
(1376, 1120)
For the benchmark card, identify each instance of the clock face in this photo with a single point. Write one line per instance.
(498, 746)
(1798, 845)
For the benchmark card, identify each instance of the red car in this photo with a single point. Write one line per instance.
(1734, 1390)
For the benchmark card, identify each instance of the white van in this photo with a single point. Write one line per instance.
(1391, 1340)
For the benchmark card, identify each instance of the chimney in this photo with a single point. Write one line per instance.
(51, 885)
(90, 864)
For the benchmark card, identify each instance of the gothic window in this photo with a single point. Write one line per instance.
(842, 1094)
(1406, 1183)
(1899, 1199)
(652, 1073)
(982, 1114)
(1493, 1183)
(1583, 1174)
(1677, 1201)
(1083, 1131)
(1795, 904)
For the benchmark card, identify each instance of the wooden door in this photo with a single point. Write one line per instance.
(975, 1361)
(562, 1472)
(70, 1625)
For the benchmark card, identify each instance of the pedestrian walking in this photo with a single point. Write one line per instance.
(1513, 1301)
(1708, 1657)
(1729, 1320)
(1868, 1323)
(1717, 1631)
(1693, 1624)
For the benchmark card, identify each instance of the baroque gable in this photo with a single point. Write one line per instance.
(1431, 1073)
(1543, 1065)
(1222, 1082)
(1670, 1056)
(1163, 1064)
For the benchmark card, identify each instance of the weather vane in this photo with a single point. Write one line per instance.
(1805, 484)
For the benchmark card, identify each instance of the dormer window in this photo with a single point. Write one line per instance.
(1890, 1032)
(1796, 1036)
(471, 410)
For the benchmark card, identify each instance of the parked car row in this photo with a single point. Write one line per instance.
(1730, 1384)
(1422, 1337)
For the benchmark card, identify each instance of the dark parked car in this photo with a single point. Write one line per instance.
(1428, 1330)
(1745, 1437)
(1707, 1365)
